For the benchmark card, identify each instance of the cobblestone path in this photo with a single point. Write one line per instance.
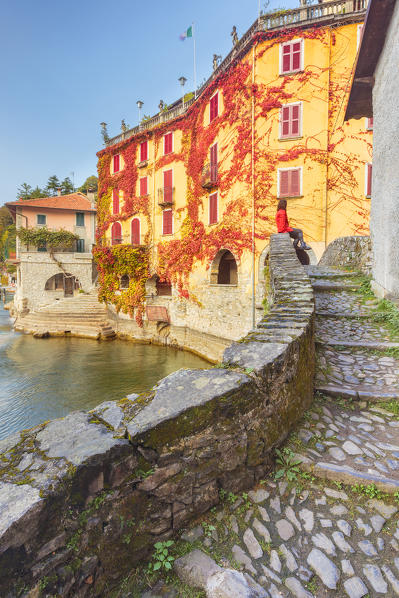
(329, 526)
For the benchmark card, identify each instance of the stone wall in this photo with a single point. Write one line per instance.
(206, 324)
(37, 267)
(352, 252)
(85, 497)
(384, 217)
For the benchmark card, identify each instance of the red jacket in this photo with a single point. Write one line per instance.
(282, 222)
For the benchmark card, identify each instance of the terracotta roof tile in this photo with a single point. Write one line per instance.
(72, 201)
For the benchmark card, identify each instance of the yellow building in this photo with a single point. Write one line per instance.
(187, 200)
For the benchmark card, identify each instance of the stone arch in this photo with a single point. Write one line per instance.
(263, 262)
(224, 268)
(66, 282)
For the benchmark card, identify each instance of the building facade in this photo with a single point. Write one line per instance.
(191, 195)
(44, 275)
(374, 93)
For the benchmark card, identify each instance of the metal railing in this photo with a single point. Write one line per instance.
(165, 195)
(304, 15)
(119, 240)
(209, 176)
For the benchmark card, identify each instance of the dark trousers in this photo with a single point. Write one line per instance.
(297, 234)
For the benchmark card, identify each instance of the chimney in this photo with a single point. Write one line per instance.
(91, 196)
(59, 191)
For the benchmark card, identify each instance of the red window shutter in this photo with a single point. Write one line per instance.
(294, 185)
(296, 56)
(143, 186)
(135, 231)
(167, 216)
(116, 163)
(369, 179)
(168, 143)
(295, 118)
(213, 107)
(144, 151)
(213, 208)
(287, 58)
(214, 162)
(285, 121)
(284, 183)
(116, 233)
(115, 201)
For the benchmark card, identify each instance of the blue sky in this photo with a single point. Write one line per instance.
(68, 65)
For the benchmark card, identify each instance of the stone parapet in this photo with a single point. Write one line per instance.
(85, 497)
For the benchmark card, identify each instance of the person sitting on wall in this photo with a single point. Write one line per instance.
(284, 227)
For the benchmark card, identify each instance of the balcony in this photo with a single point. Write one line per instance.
(166, 196)
(121, 240)
(312, 13)
(209, 177)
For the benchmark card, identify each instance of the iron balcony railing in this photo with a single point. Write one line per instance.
(305, 15)
(209, 176)
(165, 196)
(118, 240)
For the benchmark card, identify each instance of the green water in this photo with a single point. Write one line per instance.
(42, 379)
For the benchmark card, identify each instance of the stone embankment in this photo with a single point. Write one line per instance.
(85, 497)
(81, 316)
(327, 525)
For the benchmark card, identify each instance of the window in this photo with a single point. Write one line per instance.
(168, 143)
(168, 186)
(369, 124)
(291, 57)
(369, 172)
(164, 288)
(42, 247)
(214, 163)
(144, 151)
(116, 163)
(124, 283)
(116, 233)
(41, 219)
(289, 182)
(80, 219)
(291, 121)
(213, 208)
(167, 222)
(135, 231)
(80, 246)
(115, 201)
(143, 186)
(213, 107)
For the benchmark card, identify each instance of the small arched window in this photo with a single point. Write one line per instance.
(124, 284)
(164, 288)
(224, 268)
(135, 228)
(116, 233)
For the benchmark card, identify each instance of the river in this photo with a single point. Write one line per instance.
(42, 379)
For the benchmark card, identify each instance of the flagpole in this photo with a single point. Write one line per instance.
(195, 66)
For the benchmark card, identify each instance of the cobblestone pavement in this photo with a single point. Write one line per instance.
(329, 527)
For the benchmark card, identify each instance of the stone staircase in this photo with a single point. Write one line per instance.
(81, 316)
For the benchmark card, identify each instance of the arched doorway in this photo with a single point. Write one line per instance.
(224, 268)
(63, 282)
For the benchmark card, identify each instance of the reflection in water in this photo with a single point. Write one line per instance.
(42, 379)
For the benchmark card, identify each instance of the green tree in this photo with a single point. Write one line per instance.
(37, 192)
(53, 184)
(24, 191)
(90, 183)
(66, 186)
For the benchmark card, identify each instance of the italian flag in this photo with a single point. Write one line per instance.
(188, 33)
